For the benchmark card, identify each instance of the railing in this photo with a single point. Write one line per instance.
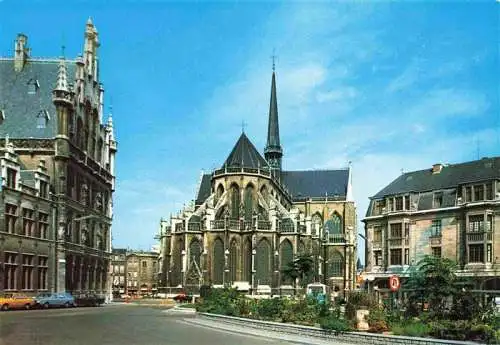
(233, 224)
(479, 236)
(264, 225)
(194, 226)
(287, 227)
(395, 242)
(435, 240)
(336, 238)
(218, 224)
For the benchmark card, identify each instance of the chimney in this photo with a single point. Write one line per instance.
(21, 52)
(436, 168)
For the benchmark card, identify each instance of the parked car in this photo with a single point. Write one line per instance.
(182, 297)
(88, 300)
(16, 301)
(50, 300)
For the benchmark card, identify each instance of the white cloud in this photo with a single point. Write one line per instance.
(338, 94)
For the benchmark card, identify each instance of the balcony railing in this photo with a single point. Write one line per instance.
(219, 224)
(239, 225)
(194, 226)
(479, 236)
(264, 225)
(435, 240)
(336, 238)
(287, 227)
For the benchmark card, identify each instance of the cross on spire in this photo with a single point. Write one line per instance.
(243, 125)
(273, 57)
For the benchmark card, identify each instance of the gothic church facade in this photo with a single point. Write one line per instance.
(250, 219)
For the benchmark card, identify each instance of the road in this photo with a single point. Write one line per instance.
(115, 325)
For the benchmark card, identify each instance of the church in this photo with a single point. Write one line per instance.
(251, 218)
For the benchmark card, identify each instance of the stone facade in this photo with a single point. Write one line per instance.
(458, 219)
(118, 271)
(77, 149)
(251, 219)
(142, 273)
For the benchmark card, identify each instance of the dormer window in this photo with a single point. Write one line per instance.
(399, 203)
(42, 118)
(33, 86)
(11, 178)
(438, 200)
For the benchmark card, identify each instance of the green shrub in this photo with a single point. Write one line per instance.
(411, 329)
(357, 300)
(333, 324)
(463, 330)
(377, 320)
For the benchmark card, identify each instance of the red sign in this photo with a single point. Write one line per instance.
(394, 283)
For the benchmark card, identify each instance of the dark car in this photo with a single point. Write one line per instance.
(88, 300)
(182, 297)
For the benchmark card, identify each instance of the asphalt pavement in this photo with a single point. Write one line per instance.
(117, 324)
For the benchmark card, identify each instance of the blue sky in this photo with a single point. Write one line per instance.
(385, 85)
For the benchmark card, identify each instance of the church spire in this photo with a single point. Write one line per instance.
(273, 151)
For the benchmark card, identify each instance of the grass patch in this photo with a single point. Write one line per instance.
(411, 329)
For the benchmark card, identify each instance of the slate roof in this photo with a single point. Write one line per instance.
(28, 178)
(205, 189)
(21, 108)
(273, 130)
(245, 154)
(316, 183)
(450, 176)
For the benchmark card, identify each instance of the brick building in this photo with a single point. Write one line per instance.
(451, 211)
(51, 111)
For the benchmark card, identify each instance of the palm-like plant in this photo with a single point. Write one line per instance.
(301, 267)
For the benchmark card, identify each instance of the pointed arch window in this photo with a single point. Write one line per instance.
(336, 265)
(218, 262)
(195, 253)
(235, 201)
(233, 260)
(263, 263)
(219, 192)
(249, 191)
(316, 225)
(247, 261)
(286, 258)
(333, 229)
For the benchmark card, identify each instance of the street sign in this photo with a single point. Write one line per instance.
(394, 283)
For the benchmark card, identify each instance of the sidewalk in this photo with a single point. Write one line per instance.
(293, 338)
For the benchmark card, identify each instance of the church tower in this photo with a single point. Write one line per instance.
(273, 151)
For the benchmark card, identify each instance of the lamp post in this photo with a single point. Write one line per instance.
(226, 268)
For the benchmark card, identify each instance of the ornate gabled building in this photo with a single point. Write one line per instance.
(52, 112)
(250, 219)
(451, 211)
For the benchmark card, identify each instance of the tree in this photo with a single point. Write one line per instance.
(433, 280)
(301, 267)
